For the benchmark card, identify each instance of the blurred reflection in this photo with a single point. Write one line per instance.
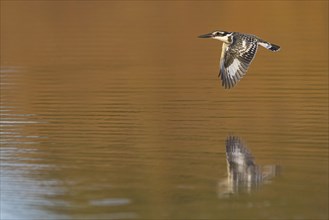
(243, 174)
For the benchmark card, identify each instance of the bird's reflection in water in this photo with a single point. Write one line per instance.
(244, 175)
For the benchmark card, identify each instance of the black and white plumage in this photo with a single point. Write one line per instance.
(241, 167)
(238, 51)
(243, 174)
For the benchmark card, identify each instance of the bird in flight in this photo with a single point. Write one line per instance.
(243, 174)
(238, 51)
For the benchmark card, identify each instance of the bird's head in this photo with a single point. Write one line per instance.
(218, 35)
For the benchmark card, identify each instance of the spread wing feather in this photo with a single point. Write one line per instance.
(235, 60)
(237, 154)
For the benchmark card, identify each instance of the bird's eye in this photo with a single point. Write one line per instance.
(218, 33)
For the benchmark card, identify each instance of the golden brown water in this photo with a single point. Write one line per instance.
(114, 110)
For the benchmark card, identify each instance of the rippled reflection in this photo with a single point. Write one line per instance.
(112, 116)
(243, 174)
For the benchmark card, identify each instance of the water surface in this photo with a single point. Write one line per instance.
(113, 110)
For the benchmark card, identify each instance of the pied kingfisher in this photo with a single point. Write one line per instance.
(244, 174)
(238, 51)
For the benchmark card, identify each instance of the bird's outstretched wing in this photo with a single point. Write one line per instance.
(235, 60)
(237, 154)
(243, 174)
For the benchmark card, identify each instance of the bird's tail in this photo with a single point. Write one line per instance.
(269, 46)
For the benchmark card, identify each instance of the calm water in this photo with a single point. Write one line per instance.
(113, 110)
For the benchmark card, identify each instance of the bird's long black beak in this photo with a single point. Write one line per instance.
(206, 35)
